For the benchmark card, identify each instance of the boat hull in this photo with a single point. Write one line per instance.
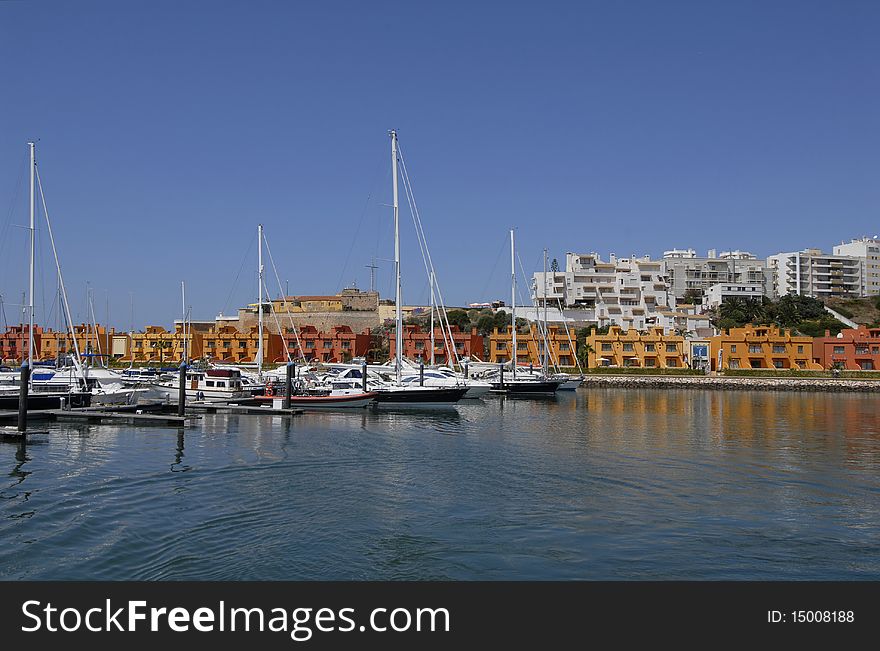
(353, 401)
(420, 398)
(38, 401)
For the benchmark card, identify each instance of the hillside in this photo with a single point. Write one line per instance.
(860, 310)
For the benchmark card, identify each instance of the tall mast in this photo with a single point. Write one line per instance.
(546, 324)
(432, 321)
(513, 354)
(33, 166)
(398, 330)
(183, 323)
(260, 308)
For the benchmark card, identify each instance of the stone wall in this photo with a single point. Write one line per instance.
(730, 383)
(358, 321)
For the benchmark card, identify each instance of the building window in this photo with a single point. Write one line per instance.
(310, 344)
(649, 348)
(650, 362)
(671, 348)
(734, 363)
(227, 344)
(778, 363)
(606, 348)
(779, 350)
(210, 344)
(671, 362)
(459, 345)
(502, 345)
(328, 344)
(861, 350)
(838, 350)
(627, 348)
(800, 350)
(733, 349)
(867, 365)
(346, 345)
(420, 345)
(520, 346)
(563, 347)
(757, 350)
(242, 344)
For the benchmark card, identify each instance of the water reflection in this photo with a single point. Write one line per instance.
(601, 483)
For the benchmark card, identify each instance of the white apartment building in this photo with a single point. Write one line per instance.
(868, 249)
(629, 292)
(686, 270)
(718, 294)
(820, 275)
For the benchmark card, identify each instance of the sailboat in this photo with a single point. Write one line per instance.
(43, 393)
(527, 383)
(397, 394)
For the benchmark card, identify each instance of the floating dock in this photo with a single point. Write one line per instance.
(232, 408)
(90, 415)
(12, 434)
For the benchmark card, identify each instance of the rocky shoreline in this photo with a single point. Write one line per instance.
(730, 383)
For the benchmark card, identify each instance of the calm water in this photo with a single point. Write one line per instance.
(605, 484)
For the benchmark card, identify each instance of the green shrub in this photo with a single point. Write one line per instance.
(637, 370)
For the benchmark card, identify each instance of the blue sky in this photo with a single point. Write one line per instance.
(168, 130)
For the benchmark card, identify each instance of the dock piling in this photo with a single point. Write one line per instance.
(501, 368)
(181, 390)
(421, 373)
(364, 376)
(288, 386)
(23, 396)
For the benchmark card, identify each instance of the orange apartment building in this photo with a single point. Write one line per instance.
(203, 340)
(341, 344)
(632, 348)
(15, 341)
(226, 344)
(90, 341)
(759, 347)
(155, 345)
(853, 350)
(563, 347)
(417, 344)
